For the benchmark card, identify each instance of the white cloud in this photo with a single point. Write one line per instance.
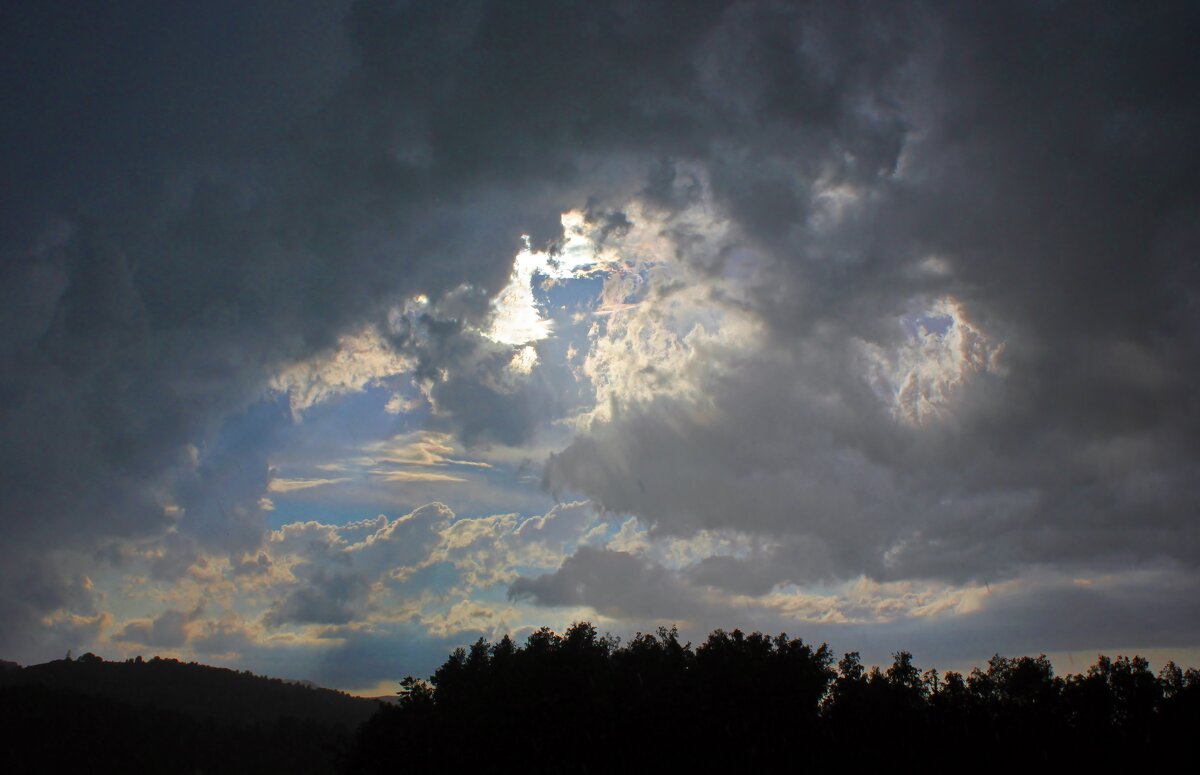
(360, 359)
(420, 449)
(524, 360)
(398, 404)
(414, 476)
(294, 485)
(465, 616)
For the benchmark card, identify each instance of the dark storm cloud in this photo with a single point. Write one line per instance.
(175, 238)
(186, 224)
(1041, 156)
(105, 94)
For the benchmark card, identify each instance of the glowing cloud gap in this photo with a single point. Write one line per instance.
(517, 320)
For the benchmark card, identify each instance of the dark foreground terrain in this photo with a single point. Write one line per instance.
(161, 715)
(580, 702)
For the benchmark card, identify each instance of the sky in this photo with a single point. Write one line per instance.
(336, 335)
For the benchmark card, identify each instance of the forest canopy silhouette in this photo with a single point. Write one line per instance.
(583, 702)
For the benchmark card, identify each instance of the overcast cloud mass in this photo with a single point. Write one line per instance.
(335, 335)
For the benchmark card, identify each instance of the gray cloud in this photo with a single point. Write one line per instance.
(167, 630)
(1139, 613)
(336, 567)
(1032, 165)
(613, 583)
(325, 598)
(178, 239)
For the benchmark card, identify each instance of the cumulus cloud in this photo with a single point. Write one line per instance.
(381, 569)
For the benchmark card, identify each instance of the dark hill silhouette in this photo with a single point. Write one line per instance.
(196, 690)
(161, 715)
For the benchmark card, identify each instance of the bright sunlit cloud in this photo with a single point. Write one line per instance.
(359, 360)
(517, 316)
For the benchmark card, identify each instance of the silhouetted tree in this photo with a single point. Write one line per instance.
(583, 702)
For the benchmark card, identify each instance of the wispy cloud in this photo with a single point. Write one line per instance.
(415, 476)
(295, 485)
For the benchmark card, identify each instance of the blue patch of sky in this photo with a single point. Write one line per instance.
(938, 325)
(349, 422)
(290, 509)
(565, 297)
(258, 428)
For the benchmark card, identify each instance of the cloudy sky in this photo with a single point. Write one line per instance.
(335, 335)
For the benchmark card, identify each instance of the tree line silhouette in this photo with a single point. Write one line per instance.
(582, 702)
